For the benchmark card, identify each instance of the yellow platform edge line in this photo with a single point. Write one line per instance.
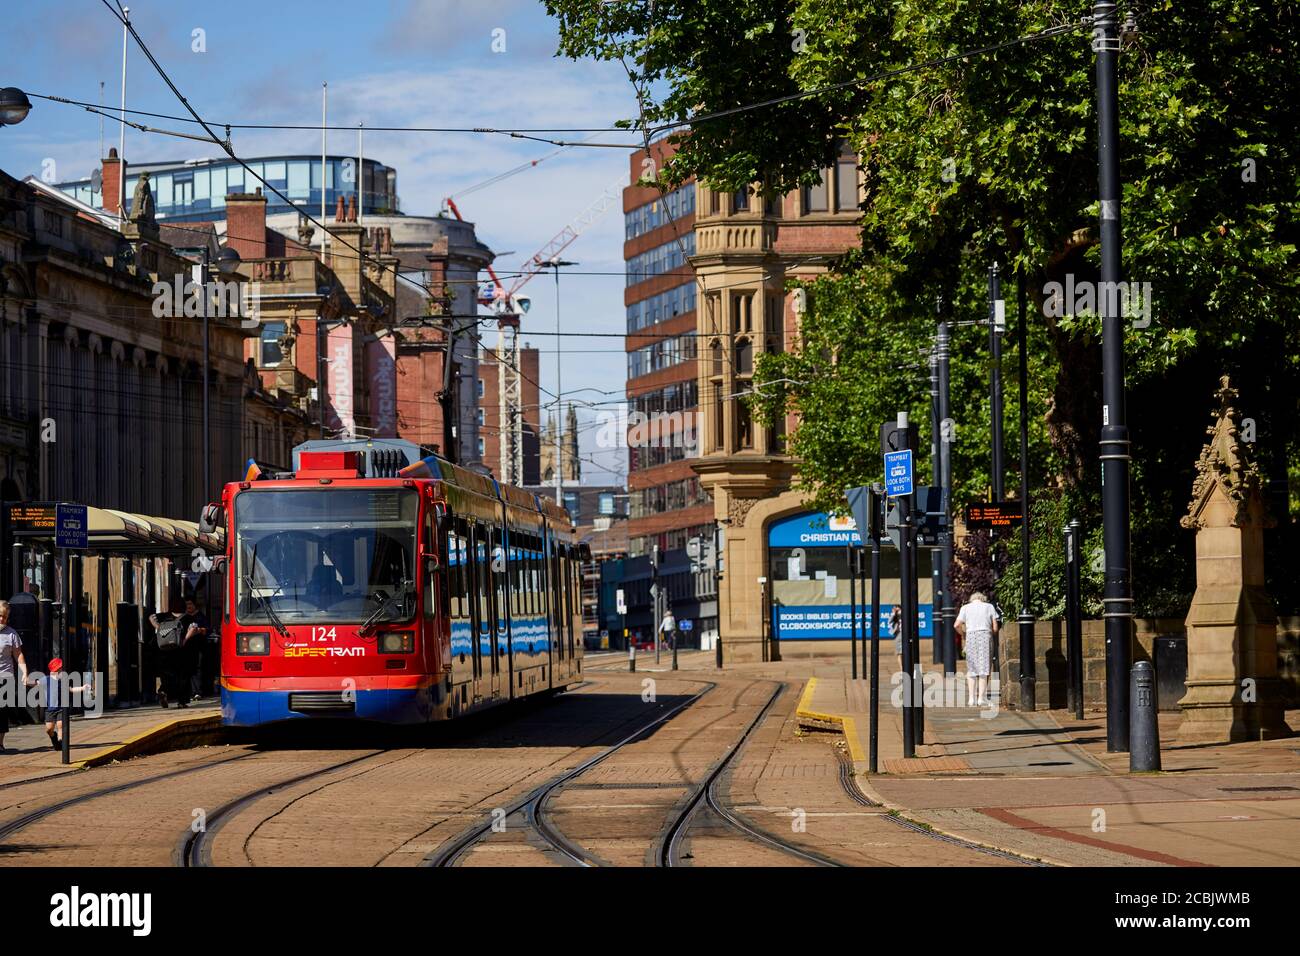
(155, 734)
(851, 737)
(846, 724)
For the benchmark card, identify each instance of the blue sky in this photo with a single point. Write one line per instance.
(400, 63)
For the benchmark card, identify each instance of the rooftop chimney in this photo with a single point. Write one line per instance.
(246, 224)
(113, 173)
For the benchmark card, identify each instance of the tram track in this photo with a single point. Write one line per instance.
(533, 805)
(669, 850)
(194, 849)
(18, 824)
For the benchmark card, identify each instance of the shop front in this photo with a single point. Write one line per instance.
(811, 596)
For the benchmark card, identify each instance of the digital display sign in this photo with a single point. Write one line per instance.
(33, 518)
(993, 514)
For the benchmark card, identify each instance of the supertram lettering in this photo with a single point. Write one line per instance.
(324, 652)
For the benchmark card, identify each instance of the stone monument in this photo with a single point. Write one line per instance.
(141, 224)
(1232, 688)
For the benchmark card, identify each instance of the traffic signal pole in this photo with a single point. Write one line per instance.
(936, 479)
(877, 506)
(853, 612)
(906, 577)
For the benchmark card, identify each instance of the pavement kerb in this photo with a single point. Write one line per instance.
(806, 715)
(188, 731)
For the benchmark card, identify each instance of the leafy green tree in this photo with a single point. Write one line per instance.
(989, 156)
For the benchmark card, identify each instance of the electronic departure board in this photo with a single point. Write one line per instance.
(993, 514)
(33, 518)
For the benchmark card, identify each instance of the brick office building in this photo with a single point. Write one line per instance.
(747, 249)
(666, 503)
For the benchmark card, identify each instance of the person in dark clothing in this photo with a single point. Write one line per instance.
(194, 625)
(188, 657)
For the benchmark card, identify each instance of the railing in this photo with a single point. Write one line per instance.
(305, 273)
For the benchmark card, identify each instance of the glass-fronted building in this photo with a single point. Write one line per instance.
(195, 190)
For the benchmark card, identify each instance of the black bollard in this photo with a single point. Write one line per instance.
(1144, 733)
(631, 656)
(1074, 615)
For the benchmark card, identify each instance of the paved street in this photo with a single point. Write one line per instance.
(1006, 790)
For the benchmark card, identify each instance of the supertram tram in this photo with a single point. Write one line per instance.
(374, 584)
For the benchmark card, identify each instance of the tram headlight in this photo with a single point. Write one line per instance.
(253, 643)
(396, 642)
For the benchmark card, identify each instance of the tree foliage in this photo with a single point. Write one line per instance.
(993, 156)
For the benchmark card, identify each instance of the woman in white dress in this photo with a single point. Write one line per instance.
(977, 622)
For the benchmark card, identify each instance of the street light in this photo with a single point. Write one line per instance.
(1115, 448)
(555, 263)
(14, 106)
(227, 262)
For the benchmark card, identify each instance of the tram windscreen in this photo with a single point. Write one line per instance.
(325, 555)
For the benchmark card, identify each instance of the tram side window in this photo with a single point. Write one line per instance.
(565, 623)
(455, 571)
(480, 552)
(426, 571)
(534, 575)
(528, 575)
(516, 576)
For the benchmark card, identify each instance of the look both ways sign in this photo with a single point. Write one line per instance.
(898, 473)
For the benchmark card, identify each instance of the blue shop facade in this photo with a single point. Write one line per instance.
(811, 596)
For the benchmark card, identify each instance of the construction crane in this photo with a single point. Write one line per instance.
(508, 305)
(502, 299)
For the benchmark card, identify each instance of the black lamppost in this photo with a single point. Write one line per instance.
(1117, 600)
(227, 263)
(996, 325)
(14, 106)
(1025, 621)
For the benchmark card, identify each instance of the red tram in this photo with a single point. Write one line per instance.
(372, 585)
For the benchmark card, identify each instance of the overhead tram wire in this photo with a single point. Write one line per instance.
(518, 133)
(523, 132)
(229, 150)
(225, 146)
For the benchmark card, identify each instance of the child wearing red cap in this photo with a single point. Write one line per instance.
(55, 702)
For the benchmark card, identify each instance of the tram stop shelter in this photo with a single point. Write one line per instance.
(132, 566)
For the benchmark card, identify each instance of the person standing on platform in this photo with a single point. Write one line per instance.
(669, 630)
(194, 630)
(977, 623)
(896, 629)
(11, 662)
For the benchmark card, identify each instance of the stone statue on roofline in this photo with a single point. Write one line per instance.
(142, 210)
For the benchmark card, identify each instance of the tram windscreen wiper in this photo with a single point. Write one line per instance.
(385, 600)
(262, 598)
